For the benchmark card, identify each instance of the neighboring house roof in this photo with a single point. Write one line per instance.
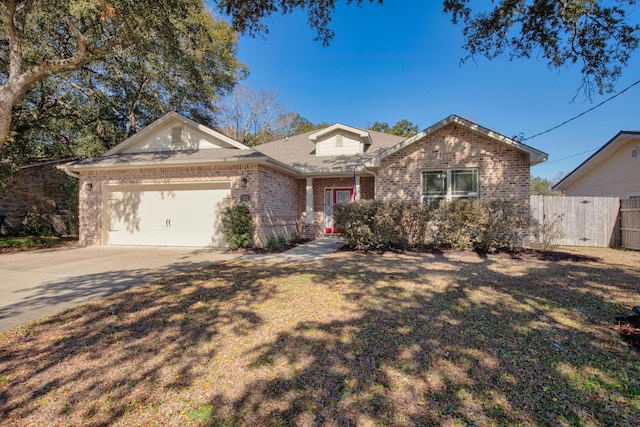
(596, 158)
(32, 163)
(535, 156)
(300, 151)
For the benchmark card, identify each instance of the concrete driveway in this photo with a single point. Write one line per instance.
(41, 283)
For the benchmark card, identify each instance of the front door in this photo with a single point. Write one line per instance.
(333, 196)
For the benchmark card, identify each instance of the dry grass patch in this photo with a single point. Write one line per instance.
(413, 339)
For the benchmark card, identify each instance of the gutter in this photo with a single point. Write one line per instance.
(66, 170)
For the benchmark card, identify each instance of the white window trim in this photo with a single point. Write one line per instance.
(449, 196)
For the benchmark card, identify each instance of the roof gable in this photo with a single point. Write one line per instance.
(535, 156)
(171, 133)
(300, 152)
(340, 140)
(321, 134)
(599, 157)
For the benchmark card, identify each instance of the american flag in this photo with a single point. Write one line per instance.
(354, 195)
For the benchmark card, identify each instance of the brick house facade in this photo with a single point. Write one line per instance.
(503, 170)
(289, 185)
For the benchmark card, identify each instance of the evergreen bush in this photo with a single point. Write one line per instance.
(237, 226)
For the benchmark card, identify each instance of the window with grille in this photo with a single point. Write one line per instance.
(448, 185)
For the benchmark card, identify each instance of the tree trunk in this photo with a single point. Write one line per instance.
(9, 95)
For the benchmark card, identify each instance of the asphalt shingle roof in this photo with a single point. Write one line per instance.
(300, 152)
(169, 157)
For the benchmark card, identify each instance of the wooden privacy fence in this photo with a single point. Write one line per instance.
(585, 221)
(630, 223)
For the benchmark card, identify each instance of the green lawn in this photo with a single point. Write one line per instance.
(358, 339)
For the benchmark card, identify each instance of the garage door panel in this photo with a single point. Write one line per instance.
(184, 216)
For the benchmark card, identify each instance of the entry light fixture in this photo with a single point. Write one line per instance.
(245, 182)
(88, 186)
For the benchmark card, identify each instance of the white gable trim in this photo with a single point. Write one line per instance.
(171, 116)
(535, 156)
(596, 158)
(363, 134)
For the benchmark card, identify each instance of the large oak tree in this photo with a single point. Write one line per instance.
(44, 37)
(114, 46)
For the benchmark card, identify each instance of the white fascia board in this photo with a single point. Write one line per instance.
(311, 172)
(183, 163)
(339, 126)
(172, 115)
(164, 163)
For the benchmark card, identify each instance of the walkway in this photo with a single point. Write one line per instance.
(314, 250)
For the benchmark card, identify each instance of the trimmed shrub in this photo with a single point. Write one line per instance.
(415, 226)
(484, 225)
(370, 225)
(456, 224)
(237, 226)
(505, 226)
(356, 223)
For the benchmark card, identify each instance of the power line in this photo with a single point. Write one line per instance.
(582, 114)
(573, 155)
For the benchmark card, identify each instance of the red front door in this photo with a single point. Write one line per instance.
(333, 196)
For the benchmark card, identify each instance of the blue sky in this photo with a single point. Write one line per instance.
(402, 60)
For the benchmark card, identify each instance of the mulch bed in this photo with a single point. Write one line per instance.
(262, 251)
(629, 330)
(526, 254)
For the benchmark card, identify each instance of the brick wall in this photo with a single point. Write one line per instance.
(272, 196)
(34, 189)
(278, 213)
(91, 197)
(503, 171)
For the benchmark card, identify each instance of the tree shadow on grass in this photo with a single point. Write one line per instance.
(470, 343)
(125, 345)
(409, 339)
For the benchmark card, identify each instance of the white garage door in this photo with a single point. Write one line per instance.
(166, 215)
